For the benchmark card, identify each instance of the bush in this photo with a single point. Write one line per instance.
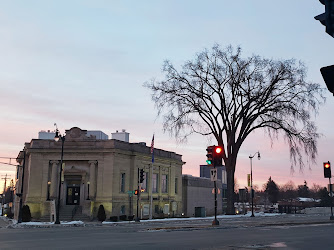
(113, 218)
(10, 215)
(122, 217)
(101, 214)
(26, 215)
(130, 217)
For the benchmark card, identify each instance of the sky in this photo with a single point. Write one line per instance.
(83, 63)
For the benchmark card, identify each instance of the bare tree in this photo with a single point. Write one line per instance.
(221, 94)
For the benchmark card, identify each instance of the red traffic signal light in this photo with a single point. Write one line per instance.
(218, 156)
(136, 192)
(218, 150)
(214, 156)
(327, 170)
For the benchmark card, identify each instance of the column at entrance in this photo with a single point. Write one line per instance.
(92, 179)
(54, 178)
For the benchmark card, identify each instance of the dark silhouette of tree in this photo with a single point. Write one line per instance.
(224, 95)
(101, 214)
(325, 198)
(303, 190)
(288, 191)
(26, 215)
(272, 191)
(315, 191)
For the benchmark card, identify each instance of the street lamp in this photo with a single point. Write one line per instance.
(252, 191)
(88, 183)
(57, 137)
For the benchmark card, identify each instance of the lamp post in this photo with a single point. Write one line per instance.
(57, 137)
(252, 191)
(21, 193)
(88, 183)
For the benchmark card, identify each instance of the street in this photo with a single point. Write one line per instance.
(240, 233)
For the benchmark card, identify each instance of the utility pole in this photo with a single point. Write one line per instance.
(3, 193)
(4, 187)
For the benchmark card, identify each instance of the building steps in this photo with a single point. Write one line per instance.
(69, 213)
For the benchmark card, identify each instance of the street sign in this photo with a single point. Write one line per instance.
(213, 174)
(248, 180)
(130, 193)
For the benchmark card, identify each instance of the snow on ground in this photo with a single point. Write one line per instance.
(36, 223)
(202, 218)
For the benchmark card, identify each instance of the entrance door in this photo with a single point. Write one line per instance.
(73, 196)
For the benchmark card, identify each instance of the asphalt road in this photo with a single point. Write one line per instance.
(244, 233)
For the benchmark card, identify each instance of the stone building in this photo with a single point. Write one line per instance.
(97, 171)
(198, 196)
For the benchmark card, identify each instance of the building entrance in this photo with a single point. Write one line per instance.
(73, 196)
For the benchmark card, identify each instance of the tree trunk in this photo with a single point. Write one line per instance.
(230, 190)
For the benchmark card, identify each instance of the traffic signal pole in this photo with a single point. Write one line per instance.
(138, 196)
(328, 174)
(214, 159)
(215, 222)
(330, 191)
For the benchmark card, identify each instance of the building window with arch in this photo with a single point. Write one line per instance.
(155, 183)
(122, 187)
(164, 183)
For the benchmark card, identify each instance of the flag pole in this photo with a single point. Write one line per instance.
(151, 177)
(151, 197)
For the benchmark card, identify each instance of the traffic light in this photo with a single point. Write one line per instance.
(136, 192)
(141, 179)
(327, 18)
(328, 75)
(209, 156)
(327, 170)
(218, 156)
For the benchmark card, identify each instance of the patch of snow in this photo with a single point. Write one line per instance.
(38, 223)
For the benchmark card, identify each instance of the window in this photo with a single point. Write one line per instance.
(176, 185)
(122, 210)
(164, 184)
(156, 209)
(155, 183)
(122, 183)
(144, 184)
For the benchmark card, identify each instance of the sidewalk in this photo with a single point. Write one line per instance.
(225, 221)
(4, 222)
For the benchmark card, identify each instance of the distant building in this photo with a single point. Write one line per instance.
(98, 171)
(121, 136)
(99, 135)
(46, 135)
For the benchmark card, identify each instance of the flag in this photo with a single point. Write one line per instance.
(152, 148)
